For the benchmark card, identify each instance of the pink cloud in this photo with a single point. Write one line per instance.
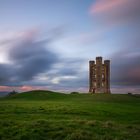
(28, 88)
(106, 5)
(5, 88)
(115, 11)
(22, 88)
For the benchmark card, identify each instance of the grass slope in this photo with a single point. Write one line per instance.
(46, 115)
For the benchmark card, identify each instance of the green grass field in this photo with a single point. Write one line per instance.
(45, 115)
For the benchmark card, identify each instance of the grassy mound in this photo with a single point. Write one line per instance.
(35, 95)
(42, 115)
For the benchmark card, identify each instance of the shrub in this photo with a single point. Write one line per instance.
(12, 93)
(74, 92)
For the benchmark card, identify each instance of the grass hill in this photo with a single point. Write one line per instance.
(36, 95)
(47, 115)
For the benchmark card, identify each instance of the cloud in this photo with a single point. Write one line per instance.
(126, 67)
(116, 11)
(66, 70)
(58, 79)
(27, 57)
(5, 73)
(30, 58)
(32, 64)
(125, 61)
(21, 88)
(101, 6)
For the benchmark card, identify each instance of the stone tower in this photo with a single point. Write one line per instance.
(99, 76)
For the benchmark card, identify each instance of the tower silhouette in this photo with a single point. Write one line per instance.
(99, 76)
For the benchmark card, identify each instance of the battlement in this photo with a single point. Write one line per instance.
(99, 58)
(106, 61)
(92, 62)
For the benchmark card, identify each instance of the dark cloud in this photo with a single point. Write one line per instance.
(69, 66)
(68, 71)
(125, 62)
(28, 58)
(32, 58)
(126, 67)
(5, 73)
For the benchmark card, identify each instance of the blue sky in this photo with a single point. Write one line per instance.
(46, 44)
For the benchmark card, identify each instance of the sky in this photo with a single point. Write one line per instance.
(47, 44)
